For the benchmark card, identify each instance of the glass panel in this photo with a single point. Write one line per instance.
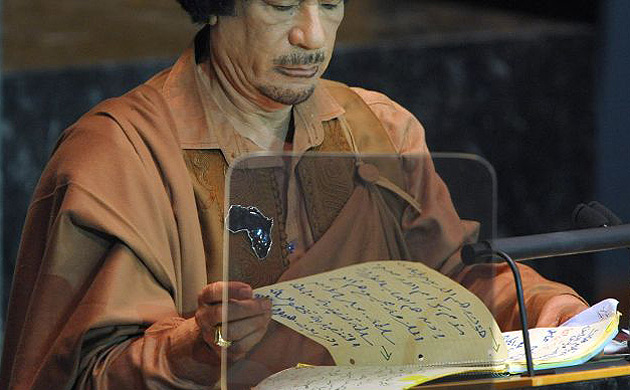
(353, 252)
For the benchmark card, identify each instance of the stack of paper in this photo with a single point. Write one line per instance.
(359, 378)
(575, 342)
(396, 324)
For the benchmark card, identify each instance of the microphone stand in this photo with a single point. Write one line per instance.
(544, 246)
(521, 305)
(596, 214)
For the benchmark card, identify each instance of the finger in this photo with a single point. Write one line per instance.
(548, 319)
(213, 292)
(243, 336)
(571, 312)
(239, 310)
(558, 310)
(238, 349)
(209, 316)
(238, 330)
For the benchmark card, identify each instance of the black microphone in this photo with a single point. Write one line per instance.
(613, 219)
(601, 235)
(539, 246)
(585, 217)
(582, 218)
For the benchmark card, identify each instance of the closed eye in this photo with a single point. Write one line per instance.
(331, 4)
(282, 7)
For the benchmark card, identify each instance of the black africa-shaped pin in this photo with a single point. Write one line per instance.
(257, 226)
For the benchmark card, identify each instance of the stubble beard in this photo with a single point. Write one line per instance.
(286, 96)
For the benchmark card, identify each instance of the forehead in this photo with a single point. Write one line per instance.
(272, 16)
(240, 4)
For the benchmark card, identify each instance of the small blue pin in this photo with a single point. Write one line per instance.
(291, 247)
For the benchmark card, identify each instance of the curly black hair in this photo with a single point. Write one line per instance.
(200, 10)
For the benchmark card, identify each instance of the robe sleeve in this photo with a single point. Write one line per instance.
(97, 297)
(438, 234)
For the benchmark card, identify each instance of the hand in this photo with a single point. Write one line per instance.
(559, 309)
(247, 320)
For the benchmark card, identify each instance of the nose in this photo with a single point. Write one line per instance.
(308, 31)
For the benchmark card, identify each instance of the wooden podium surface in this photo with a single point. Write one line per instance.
(590, 376)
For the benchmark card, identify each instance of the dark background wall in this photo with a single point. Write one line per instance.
(612, 169)
(2, 264)
(517, 84)
(575, 10)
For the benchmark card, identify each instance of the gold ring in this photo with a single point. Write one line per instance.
(218, 338)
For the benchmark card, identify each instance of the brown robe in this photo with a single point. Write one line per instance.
(112, 259)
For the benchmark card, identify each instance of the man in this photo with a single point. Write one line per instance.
(118, 278)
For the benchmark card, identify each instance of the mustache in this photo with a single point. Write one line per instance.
(300, 59)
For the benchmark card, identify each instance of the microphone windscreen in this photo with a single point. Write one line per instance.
(585, 217)
(613, 220)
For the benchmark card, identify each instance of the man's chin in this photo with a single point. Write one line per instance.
(287, 96)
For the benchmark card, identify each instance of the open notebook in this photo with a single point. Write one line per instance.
(397, 324)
